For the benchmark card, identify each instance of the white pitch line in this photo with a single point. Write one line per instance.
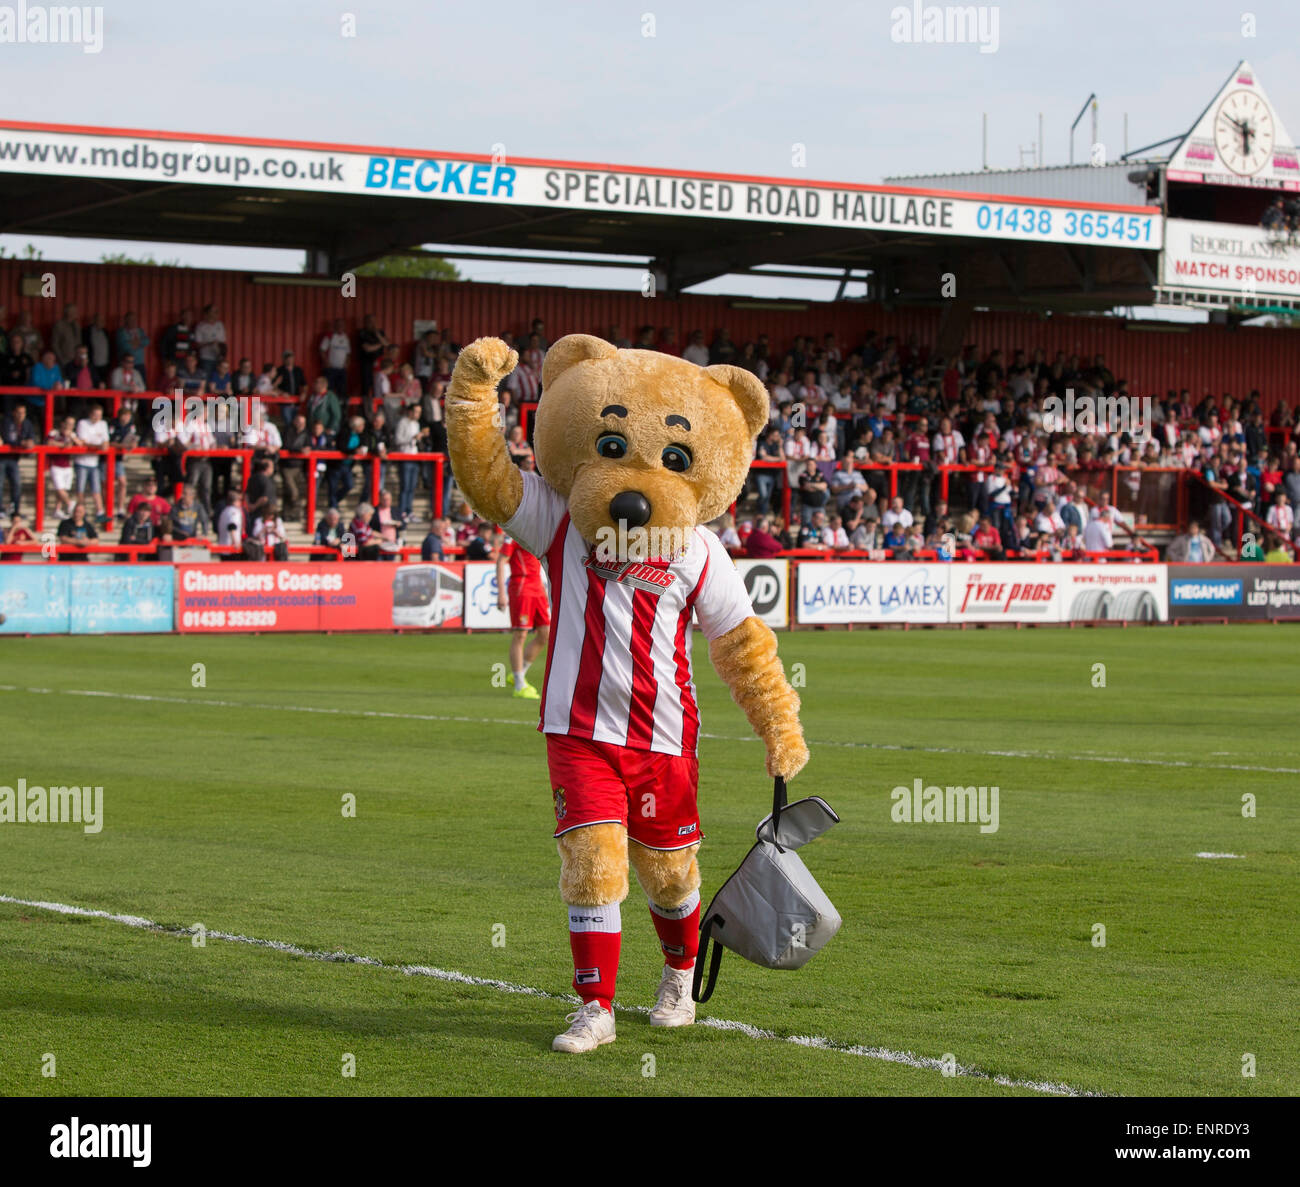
(1049, 756)
(817, 1042)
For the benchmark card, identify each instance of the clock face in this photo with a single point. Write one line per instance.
(1243, 132)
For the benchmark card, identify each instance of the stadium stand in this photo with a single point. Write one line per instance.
(881, 445)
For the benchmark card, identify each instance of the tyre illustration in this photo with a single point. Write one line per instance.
(1091, 605)
(1136, 605)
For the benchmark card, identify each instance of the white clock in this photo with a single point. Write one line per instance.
(1243, 132)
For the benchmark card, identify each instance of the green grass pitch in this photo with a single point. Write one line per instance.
(223, 806)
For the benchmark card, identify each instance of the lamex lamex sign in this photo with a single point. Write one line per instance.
(56, 150)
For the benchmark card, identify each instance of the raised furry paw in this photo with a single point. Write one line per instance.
(486, 360)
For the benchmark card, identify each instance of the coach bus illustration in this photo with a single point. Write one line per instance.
(427, 595)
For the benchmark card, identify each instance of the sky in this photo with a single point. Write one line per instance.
(724, 87)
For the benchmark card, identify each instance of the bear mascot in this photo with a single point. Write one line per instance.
(635, 450)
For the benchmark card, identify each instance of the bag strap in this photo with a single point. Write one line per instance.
(778, 802)
(705, 932)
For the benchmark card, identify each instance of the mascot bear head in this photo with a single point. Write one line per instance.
(643, 446)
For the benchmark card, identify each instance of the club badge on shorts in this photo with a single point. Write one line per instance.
(561, 809)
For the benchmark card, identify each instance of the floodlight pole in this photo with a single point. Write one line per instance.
(1090, 99)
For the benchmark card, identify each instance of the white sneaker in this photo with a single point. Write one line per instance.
(675, 1006)
(592, 1027)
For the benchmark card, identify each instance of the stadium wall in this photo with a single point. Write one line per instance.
(262, 320)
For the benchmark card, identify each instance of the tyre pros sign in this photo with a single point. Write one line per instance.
(768, 584)
(1241, 591)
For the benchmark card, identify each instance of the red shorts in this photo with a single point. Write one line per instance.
(652, 795)
(528, 606)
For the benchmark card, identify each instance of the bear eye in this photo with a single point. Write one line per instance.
(676, 458)
(611, 445)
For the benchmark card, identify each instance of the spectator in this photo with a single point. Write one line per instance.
(15, 368)
(154, 505)
(696, 352)
(433, 546)
(1281, 518)
(371, 344)
(33, 342)
(1099, 535)
(289, 377)
(77, 531)
(190, 377)
(1193, 547)
(230, 522)
(133, 342)
(406, 439)
(18, 533)
(261, 489)
(210, 339)
(363, 535)
(63, 436)
(294, 470)
(95, 339)
(177, 339)
(140, 527)
(65, 338)
(16, 432)
(47, 374)
(92, 432)
(335, 351)
(482, 547)
(268, 531)
(189, 519)
(814, 491)
(329, 532)
(126, 377)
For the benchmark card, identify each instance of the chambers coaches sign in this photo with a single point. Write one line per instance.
(169, 158)
(1234, 591)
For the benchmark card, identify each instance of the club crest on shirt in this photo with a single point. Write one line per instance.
(561, 808)
(653, 579)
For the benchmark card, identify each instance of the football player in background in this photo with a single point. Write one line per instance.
(525, 595)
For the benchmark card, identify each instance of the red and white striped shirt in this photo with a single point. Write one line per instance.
(619, 666)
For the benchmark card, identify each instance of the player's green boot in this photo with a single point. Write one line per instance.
(527, 693)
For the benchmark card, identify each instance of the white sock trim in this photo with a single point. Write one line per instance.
(679, 912)
(608, 918)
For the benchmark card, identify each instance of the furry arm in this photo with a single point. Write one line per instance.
(491, 481)
(746, 659)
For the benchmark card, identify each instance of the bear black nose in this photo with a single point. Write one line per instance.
(630, 506)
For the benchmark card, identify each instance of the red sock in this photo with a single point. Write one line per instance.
(679, 931)
(595, 936)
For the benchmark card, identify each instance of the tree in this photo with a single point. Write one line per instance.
(120, 257)
(410, 268)
(32, 252)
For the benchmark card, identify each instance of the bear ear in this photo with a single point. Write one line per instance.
(571, 349)
(750, 394)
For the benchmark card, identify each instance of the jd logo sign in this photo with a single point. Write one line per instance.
(764, 588)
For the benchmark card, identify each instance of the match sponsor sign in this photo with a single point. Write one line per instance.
(1243, 591)
(121, 599)
(1007, 593)
(1115, 593)
(167, 158)
(481, 610)
(863, 592)
(768, 584)
(1244, 262)
(339, 596)
(34, 599)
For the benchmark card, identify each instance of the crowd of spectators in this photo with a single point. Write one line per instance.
(842, 414)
